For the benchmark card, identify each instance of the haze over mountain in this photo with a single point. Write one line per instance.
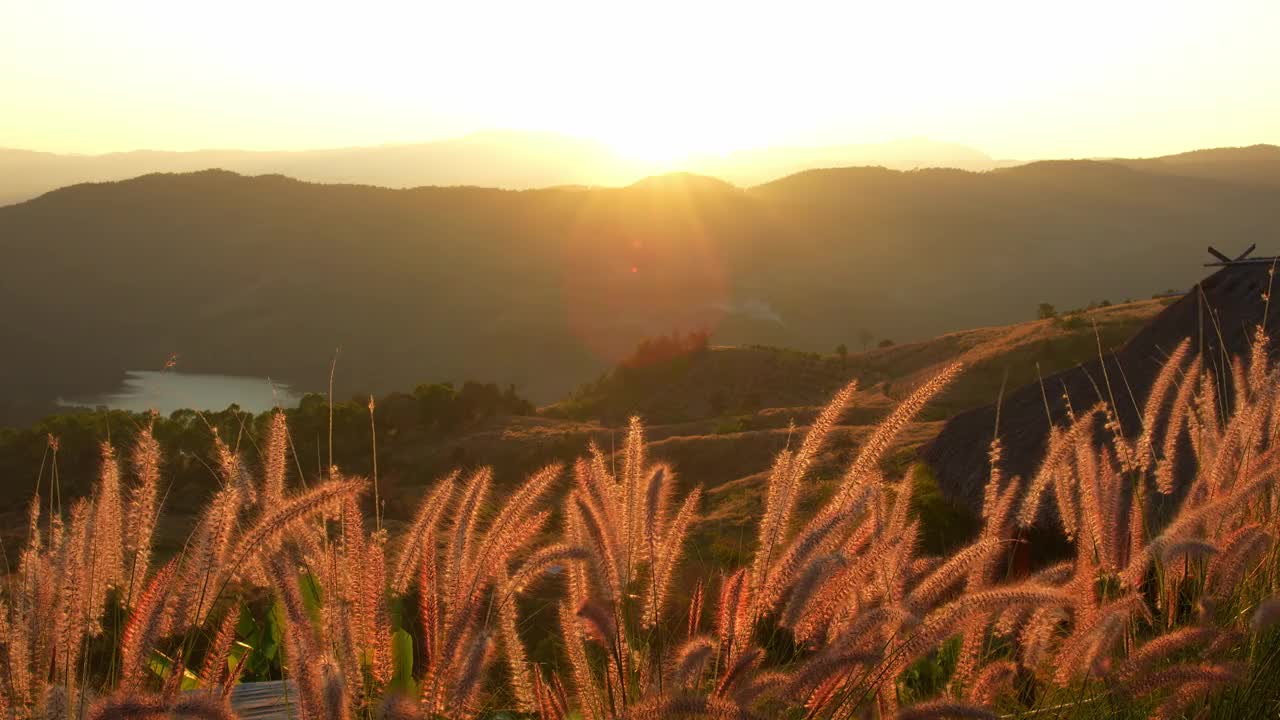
(545, 288)
(1256, 164)
(508, 160)
(752, 167)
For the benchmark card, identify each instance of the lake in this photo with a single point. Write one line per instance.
(166, 391)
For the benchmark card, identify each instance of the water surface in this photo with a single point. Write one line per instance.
(166, 391)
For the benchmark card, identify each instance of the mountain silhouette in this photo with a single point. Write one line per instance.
(269, 275)
(499, 159)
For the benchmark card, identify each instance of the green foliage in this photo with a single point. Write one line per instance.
(445, 410)
(1045, 311)
(162, 666)
(928, 676)
(262, 634)
(1258, 696)
(665, 348)
(944, 525)
(312, 596)
(186, 437)
(402, 678)
(722, 381)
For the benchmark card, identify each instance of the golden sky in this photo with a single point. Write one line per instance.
(1016, 78)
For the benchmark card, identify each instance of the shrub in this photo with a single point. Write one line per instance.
(1072, 321)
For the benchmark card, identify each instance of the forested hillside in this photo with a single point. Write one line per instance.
(544, 289)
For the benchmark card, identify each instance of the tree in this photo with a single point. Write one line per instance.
(843, 351)
(886, 343)
(397, 412)
(1045, 311)
(865, 337)
(665, 348)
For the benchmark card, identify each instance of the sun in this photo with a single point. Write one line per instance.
(661, 150)
(668, 141)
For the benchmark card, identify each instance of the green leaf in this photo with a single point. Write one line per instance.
(402, 663)
(274, 635)
(247, 626)
(238, 650)
(312, 596)
(162, 665)
(263, 639)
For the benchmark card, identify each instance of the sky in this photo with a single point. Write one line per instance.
(1018, 79)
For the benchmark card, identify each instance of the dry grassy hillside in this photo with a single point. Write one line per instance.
(737, 381)
(729, 453)
(853, 593)
(763, 392)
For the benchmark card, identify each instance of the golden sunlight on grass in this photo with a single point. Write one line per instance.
(560, 600)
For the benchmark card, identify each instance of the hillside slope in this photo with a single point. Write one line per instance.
(726, 451)
(1256, 164)
(268, 276)
(736, 381)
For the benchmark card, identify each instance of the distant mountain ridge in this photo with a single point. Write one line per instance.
(753, 167)
(545, 288)
(507, 160)
(1256, 164)
(538, 160)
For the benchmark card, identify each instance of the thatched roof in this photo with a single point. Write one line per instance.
(1218, 314)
